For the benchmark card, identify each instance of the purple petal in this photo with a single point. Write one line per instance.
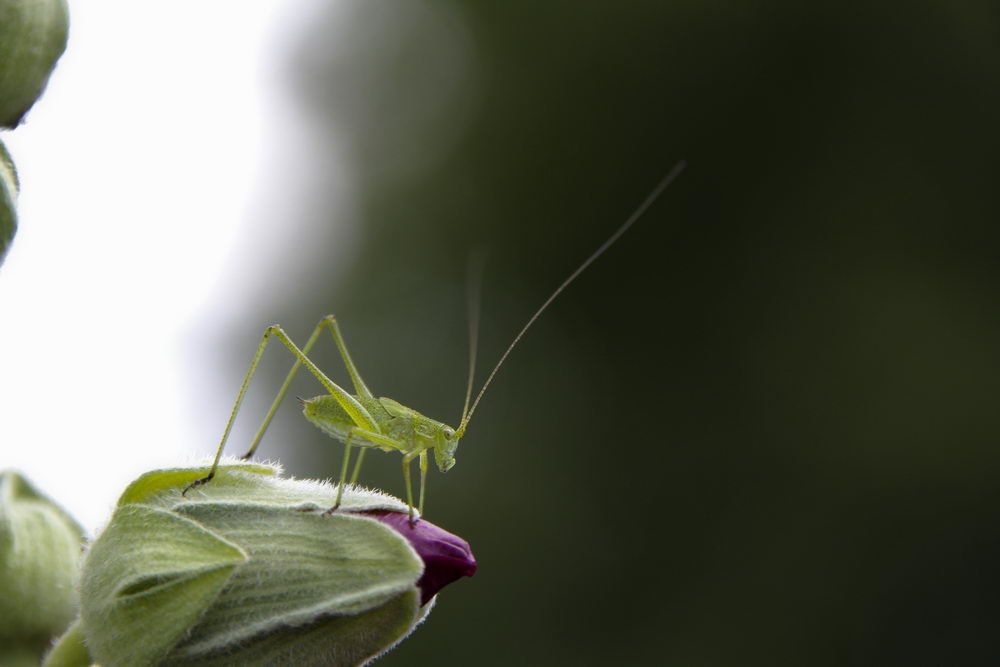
(447, 557)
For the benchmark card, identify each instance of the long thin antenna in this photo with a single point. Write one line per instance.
(657, 191)
(473, 287)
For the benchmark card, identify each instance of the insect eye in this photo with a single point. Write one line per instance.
(449, 432)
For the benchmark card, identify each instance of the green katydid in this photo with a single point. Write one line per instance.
(364, 420)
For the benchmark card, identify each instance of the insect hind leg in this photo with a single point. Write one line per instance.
(350, 405)
(359, 384)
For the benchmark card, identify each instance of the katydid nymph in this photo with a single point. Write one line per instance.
(363, 420)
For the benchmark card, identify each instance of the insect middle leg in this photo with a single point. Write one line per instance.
(361, 434)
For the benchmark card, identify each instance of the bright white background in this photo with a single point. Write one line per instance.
(141, 167)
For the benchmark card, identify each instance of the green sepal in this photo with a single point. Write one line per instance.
(146, 581)
(331, 640)
(70, 650)
(39, 562)
(251, 482)
(8, 201)
(32, 37)
(303, 567)
(174, 480)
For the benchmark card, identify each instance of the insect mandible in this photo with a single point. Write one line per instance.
(363, 420)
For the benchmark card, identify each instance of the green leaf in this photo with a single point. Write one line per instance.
(8, 201)
(148, 578)
(32, 37)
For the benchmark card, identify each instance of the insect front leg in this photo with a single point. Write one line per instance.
(409, 485)
(423, 480)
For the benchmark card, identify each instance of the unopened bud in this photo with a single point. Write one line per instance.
(39, 560)
(248, 569)
(32, 37)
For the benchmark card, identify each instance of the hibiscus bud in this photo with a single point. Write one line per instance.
(247, 569)
(32, 37)
(39, 557)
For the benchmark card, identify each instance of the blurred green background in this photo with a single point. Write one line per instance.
(762, 430)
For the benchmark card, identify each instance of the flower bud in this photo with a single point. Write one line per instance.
(446, 557)
(249, 569)
(8, 198)
(32, 37)
(39, 559)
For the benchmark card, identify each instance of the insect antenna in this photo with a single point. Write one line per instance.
(647, 202)
(473, 295)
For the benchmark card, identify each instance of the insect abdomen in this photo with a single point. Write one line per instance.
(329, 417)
